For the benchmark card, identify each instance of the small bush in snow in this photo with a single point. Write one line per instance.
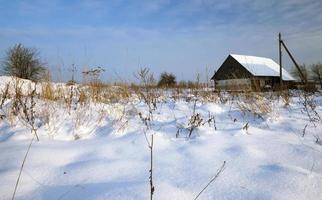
(24, 63)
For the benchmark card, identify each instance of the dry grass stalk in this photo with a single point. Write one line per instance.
(47, 91)
(4, 95)
(21, 168)
(220, 170)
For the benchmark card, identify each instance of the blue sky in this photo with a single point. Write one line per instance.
(184, 37)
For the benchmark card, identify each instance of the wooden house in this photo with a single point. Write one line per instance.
(240, 73)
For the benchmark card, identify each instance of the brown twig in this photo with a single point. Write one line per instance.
(221, 169)
(151, 169)
(21, 168)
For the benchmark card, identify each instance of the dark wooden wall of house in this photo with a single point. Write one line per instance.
(231, 69)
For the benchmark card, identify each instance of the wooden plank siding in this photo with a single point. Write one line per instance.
(231, 69)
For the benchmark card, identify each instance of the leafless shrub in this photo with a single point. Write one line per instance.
(4, 95)
(258, 105)
(196, 119)
(146, 92)
(309, 107)
(316, 70)
(194, 122)
(122, 121)
(28, 111)
(307, 99)
(17, 98)
(211, 120)
(23, 62)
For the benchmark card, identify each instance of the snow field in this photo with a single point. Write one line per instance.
(109, 158)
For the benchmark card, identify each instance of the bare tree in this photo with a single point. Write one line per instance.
(316, 71)
(23, 62)
(304, 69)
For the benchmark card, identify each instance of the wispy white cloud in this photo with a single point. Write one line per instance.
(179, 36)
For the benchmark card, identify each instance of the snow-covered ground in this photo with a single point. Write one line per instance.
(99, 151)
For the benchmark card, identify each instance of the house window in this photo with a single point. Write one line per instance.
(268, 83)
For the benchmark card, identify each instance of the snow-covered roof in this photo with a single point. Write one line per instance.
(260, 66)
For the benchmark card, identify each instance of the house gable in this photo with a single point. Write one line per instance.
(231, 69)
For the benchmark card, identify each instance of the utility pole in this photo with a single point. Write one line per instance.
(280, 59)
(280, 45)
(303, 78)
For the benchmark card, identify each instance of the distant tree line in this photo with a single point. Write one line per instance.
(310, 72)
(25, 62)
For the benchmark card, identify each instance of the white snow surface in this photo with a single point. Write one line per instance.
(271, 160)
(260, 66)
